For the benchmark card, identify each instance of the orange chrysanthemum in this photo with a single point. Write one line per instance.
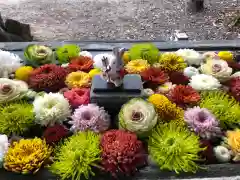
(81, 63)
(154, 75)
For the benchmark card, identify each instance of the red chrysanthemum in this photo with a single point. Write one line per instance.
(154, 75)
(81, 63)
(234, 65)
(77, 96)
(55, 133)
(49, 78)
(234, 88)
(184, 95)
(122, 152)
(178, 78)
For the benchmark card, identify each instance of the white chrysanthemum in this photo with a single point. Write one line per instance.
(9, 63)
(51, 108)
(3, 146)
(190, 71)
(98, 60)
(86, 53)
(190, 56)
(202, 82)
(222, 154)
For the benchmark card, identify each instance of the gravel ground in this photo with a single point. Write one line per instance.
(117, 19)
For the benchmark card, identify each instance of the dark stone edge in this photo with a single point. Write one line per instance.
(233, 45)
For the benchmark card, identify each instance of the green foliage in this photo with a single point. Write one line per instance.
(76, 156)
(147, 51)
(67, 51)
(223, 106)
(16, 117)
(174, 148)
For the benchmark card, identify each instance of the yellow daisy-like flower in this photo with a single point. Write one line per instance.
(94, 72)
(23, 73)
(226, 55)
(78, 79)
(233, 140)
(27, 155)
(137, 66)
(167, 111)
(171, 62)
(126, 57)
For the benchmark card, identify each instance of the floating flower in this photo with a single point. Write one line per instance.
(50, 109)
(210, 55)
(174, 148)
(23, 72)
(178, 78)
(3, 147)
(236, 74)
(94, 72)
(81, 63)
(126, 57)
(190, 56)
(222, 154)
(167, 111)
(218, 69)
(39, 54)
(98, 60)
(202, 122)
(86, 54)
(190, 71)
(122, 152)
(226, 55)
(27, 156)
(49, 78)
(154, 75)
(77, 96)
(11, 90)
(55, 133)
(66, 52)
(184, 95)
(165, 88)
(232, 141)
(234, 65)
(78, 79)
(208, 153)
(136, 66)
(234, 88)
(148, 92)
(138, 116)
(77, 155)
(9, 63)
(223, 106)
(203, 82)
(172, 62)
(90, 117)
(16, 118)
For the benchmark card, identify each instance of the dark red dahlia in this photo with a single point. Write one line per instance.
(55, 133)
(49, 78)
(81, 63)
(122, 152)
(234, 88)
(178, 78)
(154, 75)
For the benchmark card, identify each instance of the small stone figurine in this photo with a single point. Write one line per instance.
(113, 66)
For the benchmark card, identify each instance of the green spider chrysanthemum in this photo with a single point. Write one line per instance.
(138, 116)
(16, 117)
(223, 106)
(66, 52)
(174, 148)
(77, 155)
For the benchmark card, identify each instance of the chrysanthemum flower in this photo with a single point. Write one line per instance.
(77, 96)
(190, 56)
(94, 72)
(137, 66)
(51, 108)
(78, 79)
(77, 155)
(178, 78)
(174, 148)
(86, 54)
(165, 88)
(90, 117)
(3, 147)
(98, 60)
(190, 71)
(202, 122)
(232, 141)
(66, 52)
(138, 116)
(154, 75)
(226, 55)
(171, 62)
(81, 63)
(222, 154)
(234, 88)
(23, 72)
(234, 65)
(122, 152)
(27, 156)
(49, 77)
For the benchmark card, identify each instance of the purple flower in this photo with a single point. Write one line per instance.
(202, 122)
(90, 117)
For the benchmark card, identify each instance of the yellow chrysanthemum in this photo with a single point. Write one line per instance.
(233, 140)
(27, 155)
(226, 55)
(23, 73)
(94, 72)
(137, 66)
(171, 62)
(166, 110)
(78, 79)
(126, 57)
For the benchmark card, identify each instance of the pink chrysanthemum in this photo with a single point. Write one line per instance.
(77, 96)
(90, 117)
(202, 122)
